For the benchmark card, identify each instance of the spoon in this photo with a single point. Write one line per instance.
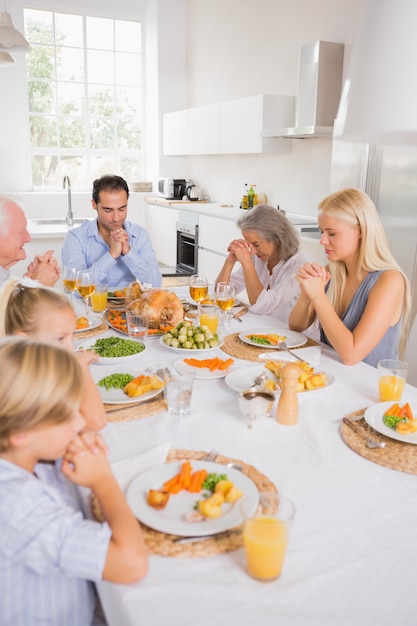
(260, 380)
(283, 346)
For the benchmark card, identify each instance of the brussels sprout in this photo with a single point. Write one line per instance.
(174, 332)
(188, 345)
(182, 338)
(174, 343)
(213, 343)
(167, 340)
(199, 337)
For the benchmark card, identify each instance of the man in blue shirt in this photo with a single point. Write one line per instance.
(116, 247)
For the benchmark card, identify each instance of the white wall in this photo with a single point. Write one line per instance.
(238, 48)
(205, 52)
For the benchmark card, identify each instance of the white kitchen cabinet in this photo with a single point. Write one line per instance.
(210, 263)
(215, 234)
(242, 122)
(232, 127)
(161, 226)
(203, 130)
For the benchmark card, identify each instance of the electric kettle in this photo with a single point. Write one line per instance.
(193, 192)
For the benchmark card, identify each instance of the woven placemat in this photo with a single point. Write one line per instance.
(395, 455)
(83, 334)
(236, 347)
(165, 545)
(129, 412)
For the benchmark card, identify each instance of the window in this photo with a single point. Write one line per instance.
(85, 98)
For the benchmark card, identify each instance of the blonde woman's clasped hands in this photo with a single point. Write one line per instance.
(312, 279)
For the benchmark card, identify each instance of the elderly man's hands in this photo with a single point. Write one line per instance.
(45, 269)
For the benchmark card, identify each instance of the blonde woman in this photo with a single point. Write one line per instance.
(362, 298)
(50, 555)
(47, 315)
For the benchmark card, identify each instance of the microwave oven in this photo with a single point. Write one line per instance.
(172, 188)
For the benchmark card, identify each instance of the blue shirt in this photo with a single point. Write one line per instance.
(48, 551)
(84, 247)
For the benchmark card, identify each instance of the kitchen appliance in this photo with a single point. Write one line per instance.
(388, 174)
(172, 188)
(320, 72)
(193, 192)
(187, 244)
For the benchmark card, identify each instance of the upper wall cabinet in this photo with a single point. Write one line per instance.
(232, 127)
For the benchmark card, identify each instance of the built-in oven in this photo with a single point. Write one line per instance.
(187, 248)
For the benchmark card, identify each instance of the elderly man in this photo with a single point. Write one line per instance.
(13, 236)
(119, 249)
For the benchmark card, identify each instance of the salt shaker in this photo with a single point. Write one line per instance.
(287, 411)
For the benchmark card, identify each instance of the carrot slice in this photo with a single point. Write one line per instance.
(170, 483)
(185, 474)
(408, 411)
(226, 364)
(193, 488)
(202, 477)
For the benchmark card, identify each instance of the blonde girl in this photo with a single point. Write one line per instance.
(362, 298)
(50, 553)
(46, 315)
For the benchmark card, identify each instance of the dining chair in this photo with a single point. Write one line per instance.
(410, 353)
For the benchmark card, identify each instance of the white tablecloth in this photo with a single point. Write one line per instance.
(352, 558)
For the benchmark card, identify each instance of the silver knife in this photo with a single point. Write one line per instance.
(194, 539)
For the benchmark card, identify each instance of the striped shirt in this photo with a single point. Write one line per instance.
(48, 552)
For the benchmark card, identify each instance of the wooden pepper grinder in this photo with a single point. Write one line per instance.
(287, 411)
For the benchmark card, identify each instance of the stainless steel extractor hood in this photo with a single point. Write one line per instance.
(320, 72)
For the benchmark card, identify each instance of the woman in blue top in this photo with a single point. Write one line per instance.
(362, 298)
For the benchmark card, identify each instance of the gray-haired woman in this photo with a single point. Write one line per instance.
(269, 261)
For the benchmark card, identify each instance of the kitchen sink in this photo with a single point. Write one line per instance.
(59, 221)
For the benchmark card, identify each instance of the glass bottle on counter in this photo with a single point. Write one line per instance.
(251, 197)
(244, 201)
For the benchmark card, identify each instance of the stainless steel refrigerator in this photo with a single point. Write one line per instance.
(389, 175)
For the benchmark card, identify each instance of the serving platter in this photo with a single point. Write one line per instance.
(203, 372)
(171, 519)
(189, 350)
(292, 339)
(117, 396)
(243, 378)
(374, 417)
(89, 344)
(111, 313)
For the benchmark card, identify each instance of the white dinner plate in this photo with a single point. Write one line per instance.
(202, 372)
(374, 415)
(89, 344)
(94, 323)
(243, 378)
(171, 519)
(292, 339)
(188, 350)
(116, 396)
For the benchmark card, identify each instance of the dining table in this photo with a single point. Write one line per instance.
(352, 553)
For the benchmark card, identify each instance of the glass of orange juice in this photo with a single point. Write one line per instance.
(209, 316)
(265, 538)
(99, 297)
(392, 376)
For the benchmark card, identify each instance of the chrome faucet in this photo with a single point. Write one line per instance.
(69, 217)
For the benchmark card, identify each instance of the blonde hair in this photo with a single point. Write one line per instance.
(21, 307)
(40, 384)
(354, 207)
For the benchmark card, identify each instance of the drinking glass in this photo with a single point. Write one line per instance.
(265, 537)
(85, 285)
(99, 297)
(392, 376)
(178, 391)
(198, 289)
(137, 325)
(69, 278)
(225, 300)
(209, 317)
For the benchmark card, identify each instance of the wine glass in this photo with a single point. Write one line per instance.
(69, 278)
(225, 300)
(86, 285)
(198, 289)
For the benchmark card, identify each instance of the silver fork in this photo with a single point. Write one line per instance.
(283, 346)
(211, 456)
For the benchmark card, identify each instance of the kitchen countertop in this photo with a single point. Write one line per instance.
(48, 231)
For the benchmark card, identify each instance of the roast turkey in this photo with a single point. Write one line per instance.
(163, 308)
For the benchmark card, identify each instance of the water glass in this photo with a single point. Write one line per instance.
(265, 538)
(137, 325)
(392, 376)
(178, 391)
